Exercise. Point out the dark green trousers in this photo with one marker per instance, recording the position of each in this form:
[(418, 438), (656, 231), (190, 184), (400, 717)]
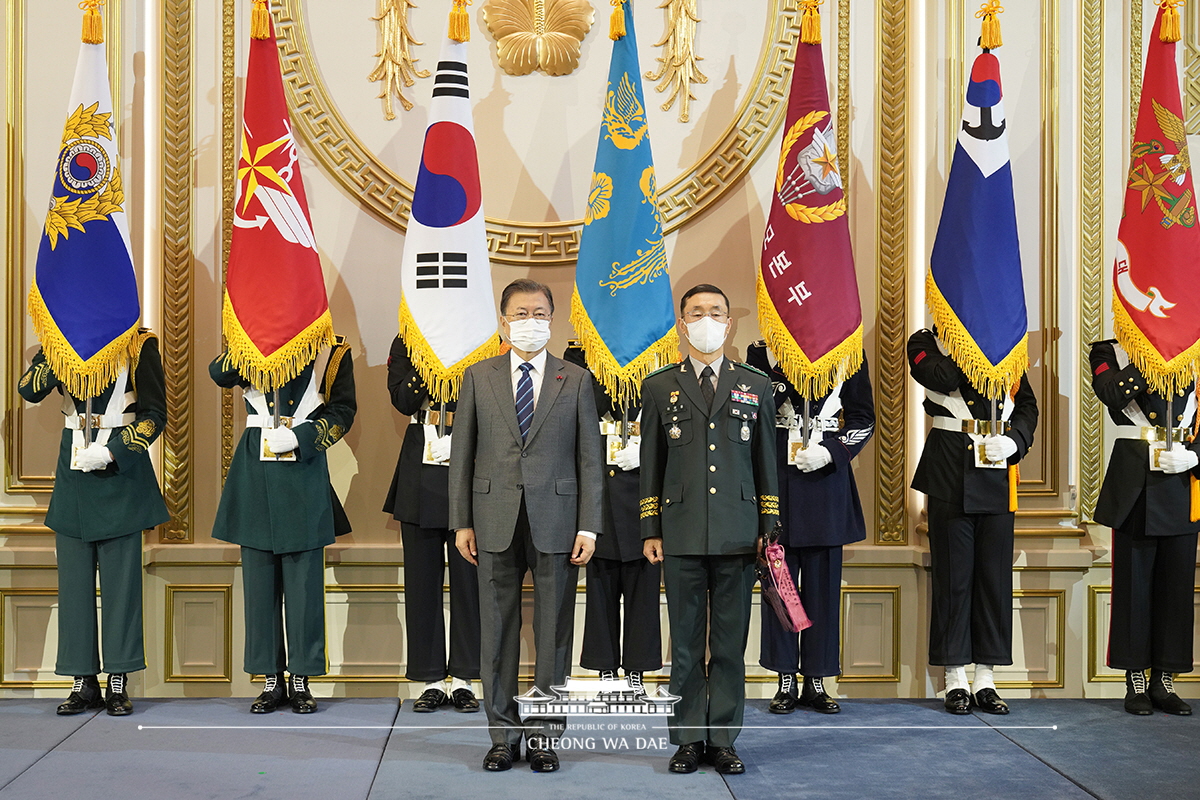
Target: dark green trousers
[(701, 589), (120, 564), (271, 582)]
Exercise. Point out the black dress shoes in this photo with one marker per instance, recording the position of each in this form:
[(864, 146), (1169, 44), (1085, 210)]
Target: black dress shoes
[(1163, 697), (815, 697), (116, 698), (85, 696), (988, 700), (784, 701), (724, 760), (541, 758), (686, 758), (958, 701), (302, 700), (1137, 701), (273, 696), (430, 700), (464, 700), (500, 758)]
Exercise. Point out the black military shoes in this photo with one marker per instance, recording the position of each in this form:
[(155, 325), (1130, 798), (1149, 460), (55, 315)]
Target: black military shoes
[(274, 695), (501, 757), (541, 756), (784, 701), (464, 700), (1137, 701), (988, 700), (85, 696), (430, 700), (1163, 697), (686, 758), (116, 697), (815, 697), (724, 760), (958, 701), (302, 699)]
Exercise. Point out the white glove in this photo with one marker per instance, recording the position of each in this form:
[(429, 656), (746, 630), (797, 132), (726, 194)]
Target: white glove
[(1178, 460), (629, 457), (439, 448), (94, 457), (813, 457), (280, 440), (998, 448)]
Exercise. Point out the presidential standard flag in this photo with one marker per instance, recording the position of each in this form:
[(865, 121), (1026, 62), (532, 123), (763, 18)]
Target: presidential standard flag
[(276, 315), (447, 310), (621, 307), (84, 296), (808, 306), (1156, 273)]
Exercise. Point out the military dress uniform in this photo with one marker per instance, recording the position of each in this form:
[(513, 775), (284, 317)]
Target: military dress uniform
[(419, 499), (284, 513), (708, 487), (98, 518), (1154, 537), (821, 513)]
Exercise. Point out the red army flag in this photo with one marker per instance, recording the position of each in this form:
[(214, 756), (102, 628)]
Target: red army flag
[(276, 314), (808, 306), (1156, 274)]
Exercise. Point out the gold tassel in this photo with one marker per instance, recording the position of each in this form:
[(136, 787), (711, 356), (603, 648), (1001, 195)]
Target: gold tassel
[(1014, 478), (1169, 32), (460, 22), (93, 23), (260, 21), (989, 31), (616, 22), (810, 24)]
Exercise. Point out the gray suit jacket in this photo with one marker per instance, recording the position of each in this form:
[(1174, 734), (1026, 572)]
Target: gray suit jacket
[(559, 468)]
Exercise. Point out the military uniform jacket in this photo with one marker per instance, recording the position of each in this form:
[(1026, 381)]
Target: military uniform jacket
[(709, 478), (1121, 387), (419, 493), (124, 496), (822, 508), (288, 506), (947, 468)]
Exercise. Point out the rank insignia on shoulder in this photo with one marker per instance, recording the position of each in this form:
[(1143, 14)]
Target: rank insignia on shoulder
[(741, 395), (674, 397)]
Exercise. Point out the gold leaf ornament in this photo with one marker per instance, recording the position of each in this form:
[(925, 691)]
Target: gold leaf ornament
[(598, 198), (538, 34)]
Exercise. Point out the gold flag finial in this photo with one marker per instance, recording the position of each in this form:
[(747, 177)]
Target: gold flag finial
[(1170, 32), (460, 22), (260, 20), (989, 32), (93, 23), (810, 23), (616, 23)]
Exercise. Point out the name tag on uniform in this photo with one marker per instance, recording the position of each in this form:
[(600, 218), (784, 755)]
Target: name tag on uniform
[(981, 460), (1156, 450), (75, 451), (795, 446), (427, 452), (266, 454)]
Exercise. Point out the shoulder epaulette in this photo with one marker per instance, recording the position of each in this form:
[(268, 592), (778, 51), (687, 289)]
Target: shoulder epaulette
[(139, 340), (340, 348), (663, 369), (755, 370), (759, 343)]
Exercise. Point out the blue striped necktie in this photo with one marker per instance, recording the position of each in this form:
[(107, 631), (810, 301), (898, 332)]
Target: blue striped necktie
[(525, 399)]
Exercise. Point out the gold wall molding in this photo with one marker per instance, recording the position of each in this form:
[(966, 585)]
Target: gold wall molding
[(1091, 250), (1191, 72), (1135, 61), (677, 67), (1058, 646), (893, 674), (843, 90), (225, 591), (229, 157), (7, 627), (396, 66)]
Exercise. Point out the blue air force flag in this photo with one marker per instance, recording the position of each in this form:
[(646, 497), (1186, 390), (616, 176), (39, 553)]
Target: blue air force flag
[(447, 316), (974, 288), (621, 307), (84, 295)]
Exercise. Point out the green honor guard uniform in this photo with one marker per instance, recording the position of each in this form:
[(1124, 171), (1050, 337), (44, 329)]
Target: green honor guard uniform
[(105, 495), (278, 504)]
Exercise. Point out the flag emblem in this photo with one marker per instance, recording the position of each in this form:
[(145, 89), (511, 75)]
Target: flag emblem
[(448, 191)]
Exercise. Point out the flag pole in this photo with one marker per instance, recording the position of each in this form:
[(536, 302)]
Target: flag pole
[(805, 434), (441, 419), (275, 413), (1170, 421), (87, 421), (624, 424)]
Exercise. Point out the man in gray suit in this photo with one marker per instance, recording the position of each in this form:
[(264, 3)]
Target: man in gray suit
[(526, 493)]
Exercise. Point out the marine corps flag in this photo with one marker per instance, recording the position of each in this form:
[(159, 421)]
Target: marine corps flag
[(447, 310), (84, 296), (1156, 274), (276, 315), (808, 306), (621, 308)]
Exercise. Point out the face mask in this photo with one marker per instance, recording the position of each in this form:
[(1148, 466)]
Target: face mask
[(707, 335), (529, 335)]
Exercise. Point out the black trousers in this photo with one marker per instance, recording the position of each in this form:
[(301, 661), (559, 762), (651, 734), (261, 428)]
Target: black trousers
[(638, 582), (815, 651), (425, 557), (971, 555), (1151, 621)]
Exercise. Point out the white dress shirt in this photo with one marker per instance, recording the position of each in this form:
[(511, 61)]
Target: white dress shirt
[(716, 368)]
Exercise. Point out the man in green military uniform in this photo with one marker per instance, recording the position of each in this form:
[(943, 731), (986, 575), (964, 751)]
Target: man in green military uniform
[(105, 495), (708, 489), (279, 506)]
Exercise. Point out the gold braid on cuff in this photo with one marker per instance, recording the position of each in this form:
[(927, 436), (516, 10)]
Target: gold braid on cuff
[(768, 504), (650, 507)]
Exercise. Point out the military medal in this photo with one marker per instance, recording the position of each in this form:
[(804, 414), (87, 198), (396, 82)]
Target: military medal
[(674, 432), (674, 398), (745, 431)]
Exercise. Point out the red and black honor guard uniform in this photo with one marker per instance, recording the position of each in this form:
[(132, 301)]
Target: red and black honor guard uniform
[(970, 521), (1145, 499), (105, 495), (618, 570), (820, 511), (419, 500)]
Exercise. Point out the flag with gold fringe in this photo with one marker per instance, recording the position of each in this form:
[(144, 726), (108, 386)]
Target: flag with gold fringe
[(276, 314), (1156, 273), (808, 306), (447, 309), (84, 296), (621, 307)]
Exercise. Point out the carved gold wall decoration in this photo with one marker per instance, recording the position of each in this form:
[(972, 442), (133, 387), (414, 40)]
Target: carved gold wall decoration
[(396, 65), (538, 34), (1191, 71), (1091, 249), (229, 158), (677, 65)]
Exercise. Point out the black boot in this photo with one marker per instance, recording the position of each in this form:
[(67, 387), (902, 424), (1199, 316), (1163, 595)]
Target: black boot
[(85, 696), (1136, 700), (815, 696), (302, 699), (784, 701), (273, 696), (116, 699), (634, 679), (1163, 697)]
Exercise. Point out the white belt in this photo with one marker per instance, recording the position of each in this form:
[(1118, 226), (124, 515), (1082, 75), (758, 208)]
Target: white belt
[(75, 422), (608, 428), (268, 421), (815, 424), (980, 427), (1152, 434)]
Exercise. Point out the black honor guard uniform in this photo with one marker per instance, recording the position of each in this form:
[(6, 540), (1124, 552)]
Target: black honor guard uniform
[(1146, 500), (970, 521), (419, 500), (820, 512)]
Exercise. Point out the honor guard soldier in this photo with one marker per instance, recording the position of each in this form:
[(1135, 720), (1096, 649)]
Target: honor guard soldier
[(1146, 500), (419, 500), (105, 495), (279, 505), (821, 512), (963, 471), (708, 487), (618, 570)]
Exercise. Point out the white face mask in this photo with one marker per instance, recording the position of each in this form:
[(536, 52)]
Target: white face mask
[(529, 335), (707, 335)]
